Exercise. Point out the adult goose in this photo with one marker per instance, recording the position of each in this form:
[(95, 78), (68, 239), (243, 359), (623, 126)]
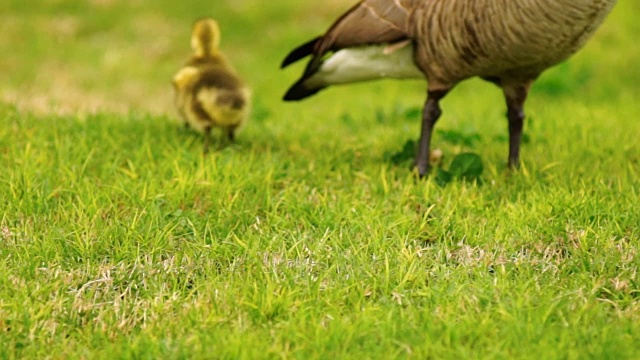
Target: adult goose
[(507, 42)]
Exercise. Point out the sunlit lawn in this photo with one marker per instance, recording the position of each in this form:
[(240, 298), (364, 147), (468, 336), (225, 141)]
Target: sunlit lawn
[(307, 238)]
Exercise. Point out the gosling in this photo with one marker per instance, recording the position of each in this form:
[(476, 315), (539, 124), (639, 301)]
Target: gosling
[(208, 92)]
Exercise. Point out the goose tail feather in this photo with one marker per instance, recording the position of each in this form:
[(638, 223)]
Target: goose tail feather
[(300, 52), (300, 90)]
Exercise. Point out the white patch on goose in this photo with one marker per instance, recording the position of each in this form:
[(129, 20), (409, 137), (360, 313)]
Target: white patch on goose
[(366, 63)]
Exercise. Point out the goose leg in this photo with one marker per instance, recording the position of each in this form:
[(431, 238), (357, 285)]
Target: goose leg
[(207, 139), (430, 115), (231, 134), (515, 97)]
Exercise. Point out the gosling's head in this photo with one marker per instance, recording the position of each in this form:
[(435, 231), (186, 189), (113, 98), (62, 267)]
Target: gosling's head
[(205, 37)]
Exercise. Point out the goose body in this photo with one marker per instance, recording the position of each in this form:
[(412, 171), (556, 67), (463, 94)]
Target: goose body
[(507, 42), (208, 93)]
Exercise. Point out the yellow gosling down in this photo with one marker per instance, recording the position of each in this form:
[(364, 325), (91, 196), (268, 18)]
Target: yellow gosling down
[(208, 92), (507, 42)]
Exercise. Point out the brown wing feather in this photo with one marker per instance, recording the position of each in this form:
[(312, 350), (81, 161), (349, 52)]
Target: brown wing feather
[(368, 22)]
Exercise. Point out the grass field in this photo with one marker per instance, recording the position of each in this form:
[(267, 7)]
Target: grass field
[(306, 239)]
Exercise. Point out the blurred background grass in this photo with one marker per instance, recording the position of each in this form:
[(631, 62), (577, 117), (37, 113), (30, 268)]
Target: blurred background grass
[(114, 55)]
